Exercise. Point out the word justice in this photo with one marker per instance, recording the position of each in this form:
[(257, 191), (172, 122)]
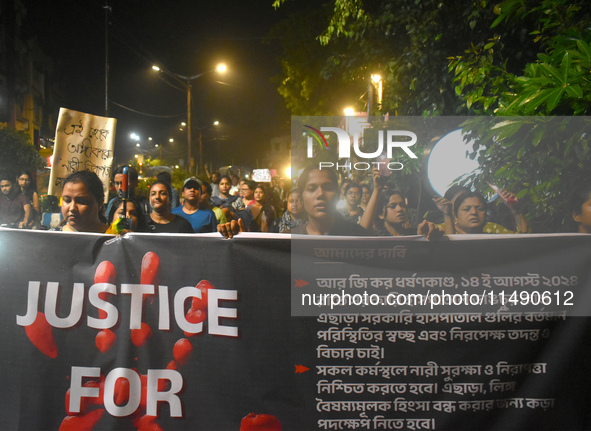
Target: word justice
[(109, 314)]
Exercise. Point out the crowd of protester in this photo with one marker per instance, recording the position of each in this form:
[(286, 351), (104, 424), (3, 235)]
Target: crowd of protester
[(319, 203)]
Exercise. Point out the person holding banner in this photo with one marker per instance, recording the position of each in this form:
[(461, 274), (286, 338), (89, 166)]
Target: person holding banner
[(203, 220), (320, 194), (161, 220), (470, 213), (392, 217), (445, 204), (82, 203)]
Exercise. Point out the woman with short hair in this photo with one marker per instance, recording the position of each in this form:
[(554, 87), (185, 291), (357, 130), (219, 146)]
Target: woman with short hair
[(161, 220)]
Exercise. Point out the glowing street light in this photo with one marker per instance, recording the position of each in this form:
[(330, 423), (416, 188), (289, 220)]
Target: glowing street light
[(377, 81), (185, 81), (349, 112)]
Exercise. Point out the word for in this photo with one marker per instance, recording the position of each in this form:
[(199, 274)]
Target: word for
[(154, 396)]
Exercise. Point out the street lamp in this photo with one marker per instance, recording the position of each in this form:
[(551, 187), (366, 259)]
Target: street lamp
[(376, 80), (215, 123), (185, 81)]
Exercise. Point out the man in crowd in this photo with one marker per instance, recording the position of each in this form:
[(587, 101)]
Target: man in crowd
[(166, 177), (202, 219), (117, 178), (215, 181), (15, 208), (206, 203)]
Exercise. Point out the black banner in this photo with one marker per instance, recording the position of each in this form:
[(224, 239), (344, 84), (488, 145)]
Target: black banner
[(189, 332)]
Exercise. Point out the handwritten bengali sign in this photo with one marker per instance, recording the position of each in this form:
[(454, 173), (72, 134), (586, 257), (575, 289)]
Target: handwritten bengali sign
[(261, 175), (82, 142)]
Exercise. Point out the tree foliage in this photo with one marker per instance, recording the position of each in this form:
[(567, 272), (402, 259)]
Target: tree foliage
[(541, 158), (17, 153), (407, 43), (515, 58)]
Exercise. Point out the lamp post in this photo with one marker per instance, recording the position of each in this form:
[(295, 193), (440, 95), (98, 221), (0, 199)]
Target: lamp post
[(376, 80), (185, 81)]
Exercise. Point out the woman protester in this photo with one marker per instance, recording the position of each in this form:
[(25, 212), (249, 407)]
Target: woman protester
[(470, 213), (225, 201), (247, 193), (365, 195), (161, 220), (133, 212), (320, 193), (295, 214), (28, 188), (82, 204), (446, 205), (262, 211), (352, 212)]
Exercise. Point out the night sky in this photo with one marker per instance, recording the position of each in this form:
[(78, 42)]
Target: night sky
[(187, 37)]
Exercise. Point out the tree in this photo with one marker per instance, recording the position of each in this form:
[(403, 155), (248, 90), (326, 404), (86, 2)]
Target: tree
[(16, 153), (514, 58), (408, 43), (542, 159)]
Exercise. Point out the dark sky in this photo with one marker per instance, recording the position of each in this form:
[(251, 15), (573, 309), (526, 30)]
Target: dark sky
[(186, 36)]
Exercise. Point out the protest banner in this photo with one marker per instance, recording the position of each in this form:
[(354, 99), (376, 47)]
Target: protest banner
[(82, 142), (261, 175), (196, 332)]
